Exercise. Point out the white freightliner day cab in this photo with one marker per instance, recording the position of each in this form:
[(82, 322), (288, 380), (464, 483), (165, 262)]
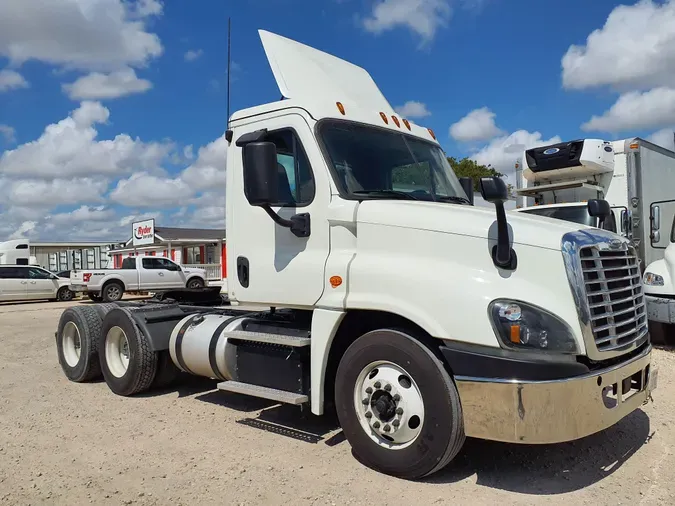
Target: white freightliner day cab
[(417, 317), (659, 281), (137, 274)]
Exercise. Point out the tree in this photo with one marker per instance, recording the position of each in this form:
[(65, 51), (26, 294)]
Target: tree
[(470, 168)]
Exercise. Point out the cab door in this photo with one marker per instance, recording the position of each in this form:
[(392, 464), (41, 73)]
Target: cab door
[(272, 266)]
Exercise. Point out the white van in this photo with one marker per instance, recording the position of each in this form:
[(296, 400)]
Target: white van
[(28, 282)]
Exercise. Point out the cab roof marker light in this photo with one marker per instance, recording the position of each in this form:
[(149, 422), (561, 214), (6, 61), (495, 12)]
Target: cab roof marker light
[(384, 118), (340, 107), (406, 123), (431, 132), (396, 121)]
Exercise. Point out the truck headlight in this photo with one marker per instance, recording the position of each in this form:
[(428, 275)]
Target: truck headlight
[(522, 326), (653, 279)]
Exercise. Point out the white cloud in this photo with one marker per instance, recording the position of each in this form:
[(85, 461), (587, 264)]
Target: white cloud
[(664, 138), (192, 54), (635, 48), (26, 229), (8, 133), (424, 17), (106, 86), (146, 190), (478, 125), (503, 152), (636, 110), (208, 171), (11, 79), (82, 215), (413, 109), (43, 194), (82, 34), (70, 148)]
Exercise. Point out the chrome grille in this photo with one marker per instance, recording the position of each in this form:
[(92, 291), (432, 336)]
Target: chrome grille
[(616, 304)]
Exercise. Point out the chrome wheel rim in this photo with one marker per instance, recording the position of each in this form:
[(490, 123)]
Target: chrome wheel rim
[(72, 344)]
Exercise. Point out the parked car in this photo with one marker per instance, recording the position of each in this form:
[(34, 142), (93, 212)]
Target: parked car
[(28, 282), (149, 274)]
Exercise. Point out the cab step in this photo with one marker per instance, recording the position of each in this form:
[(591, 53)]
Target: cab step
[(263, 392), (264, 337)]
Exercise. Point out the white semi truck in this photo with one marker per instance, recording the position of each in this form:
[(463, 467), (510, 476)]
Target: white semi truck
[(415, 316), (633, 175)]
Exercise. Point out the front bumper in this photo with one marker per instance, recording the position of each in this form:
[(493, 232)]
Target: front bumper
[(660, 309), (555, 411)]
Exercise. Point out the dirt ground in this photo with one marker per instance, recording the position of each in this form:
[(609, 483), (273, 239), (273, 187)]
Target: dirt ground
[(71, 444)]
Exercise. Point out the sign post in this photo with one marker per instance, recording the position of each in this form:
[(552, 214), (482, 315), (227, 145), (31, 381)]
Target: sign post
[(143, 233)]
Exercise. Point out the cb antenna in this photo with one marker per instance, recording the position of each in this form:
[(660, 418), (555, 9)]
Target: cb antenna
[(229, 30)]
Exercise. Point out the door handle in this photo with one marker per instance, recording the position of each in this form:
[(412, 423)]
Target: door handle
[(161, 273), (33, 282), (24, 282), (242, 271)]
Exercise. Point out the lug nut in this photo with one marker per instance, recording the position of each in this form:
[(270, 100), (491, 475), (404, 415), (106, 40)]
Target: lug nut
[(399, 411), (377, 384), (397, 397), (365, 401), (386, 428), (395, 423), (370, 415), (369, 390), (387, 387), (376, 425)]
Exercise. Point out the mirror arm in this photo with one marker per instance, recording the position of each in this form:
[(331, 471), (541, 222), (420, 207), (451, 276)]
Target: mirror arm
[(299, 223), (502, 254)]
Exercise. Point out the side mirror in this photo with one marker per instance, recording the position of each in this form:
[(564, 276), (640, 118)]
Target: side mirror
[(467, 185), (494, 190), (599, 208), (261, 178)]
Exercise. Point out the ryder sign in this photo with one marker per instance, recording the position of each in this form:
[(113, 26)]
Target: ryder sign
[(143, 232)]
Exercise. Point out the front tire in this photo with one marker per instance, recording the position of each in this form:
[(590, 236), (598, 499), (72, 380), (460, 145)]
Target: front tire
[(397, 405), (128, 364), (64, 294), (195, 283)]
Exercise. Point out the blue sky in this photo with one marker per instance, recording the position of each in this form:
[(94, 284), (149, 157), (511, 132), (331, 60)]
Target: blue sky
[(114, 110)]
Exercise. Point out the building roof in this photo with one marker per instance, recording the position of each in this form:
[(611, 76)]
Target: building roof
[(177, 234)]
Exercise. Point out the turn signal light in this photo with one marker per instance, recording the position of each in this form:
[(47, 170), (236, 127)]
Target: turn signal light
[(515, 333), (384, 118)]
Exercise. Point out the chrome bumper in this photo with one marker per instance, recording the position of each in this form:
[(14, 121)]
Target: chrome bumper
[(660, 309), (555, 411)]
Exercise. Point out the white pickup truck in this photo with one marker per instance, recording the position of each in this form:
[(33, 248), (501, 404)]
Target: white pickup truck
[(151, 273)]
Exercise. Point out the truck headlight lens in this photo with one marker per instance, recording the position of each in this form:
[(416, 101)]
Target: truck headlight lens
[(653, 279), (522, 326)]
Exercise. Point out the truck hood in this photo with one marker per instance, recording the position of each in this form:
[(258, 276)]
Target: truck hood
[(480, 222)]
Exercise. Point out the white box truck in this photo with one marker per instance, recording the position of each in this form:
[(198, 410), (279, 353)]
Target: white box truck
[(633, 175), (417, 317)]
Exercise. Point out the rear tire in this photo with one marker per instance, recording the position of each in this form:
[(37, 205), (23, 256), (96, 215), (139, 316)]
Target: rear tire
[(77, 341), (127, 362), (112, 292), (397, 405), (64, 294)]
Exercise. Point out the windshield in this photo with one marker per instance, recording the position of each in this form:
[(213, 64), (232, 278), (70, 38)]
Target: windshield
[(575, 214), (370, 162)]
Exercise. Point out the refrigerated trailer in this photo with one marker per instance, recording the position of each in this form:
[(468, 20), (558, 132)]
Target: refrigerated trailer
[(418, 318), (636, 177)]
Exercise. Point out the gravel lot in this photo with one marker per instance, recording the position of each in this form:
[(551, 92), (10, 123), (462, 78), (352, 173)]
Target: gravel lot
[(67, 443)]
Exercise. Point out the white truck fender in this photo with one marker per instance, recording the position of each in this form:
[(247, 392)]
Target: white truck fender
[(325, 324)]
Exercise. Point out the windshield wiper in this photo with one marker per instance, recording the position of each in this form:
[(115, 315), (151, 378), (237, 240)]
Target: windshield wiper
[(386, 193), (452, 198)]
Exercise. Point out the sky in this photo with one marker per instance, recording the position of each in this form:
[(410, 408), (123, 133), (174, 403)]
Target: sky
[(112, 111)]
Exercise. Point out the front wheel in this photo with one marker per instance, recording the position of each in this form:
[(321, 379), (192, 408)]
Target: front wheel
[(397, 405), (195, 283)]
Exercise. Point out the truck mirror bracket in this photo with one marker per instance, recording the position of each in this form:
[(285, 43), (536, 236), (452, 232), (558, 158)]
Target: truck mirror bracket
[(299, 224), (493, 189)]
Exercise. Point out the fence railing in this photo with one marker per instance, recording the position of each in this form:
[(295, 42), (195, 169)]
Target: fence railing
[(213, 271)]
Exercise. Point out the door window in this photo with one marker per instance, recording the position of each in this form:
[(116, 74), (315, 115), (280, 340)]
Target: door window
[(159, 263), (35, 273), (296, 181)]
